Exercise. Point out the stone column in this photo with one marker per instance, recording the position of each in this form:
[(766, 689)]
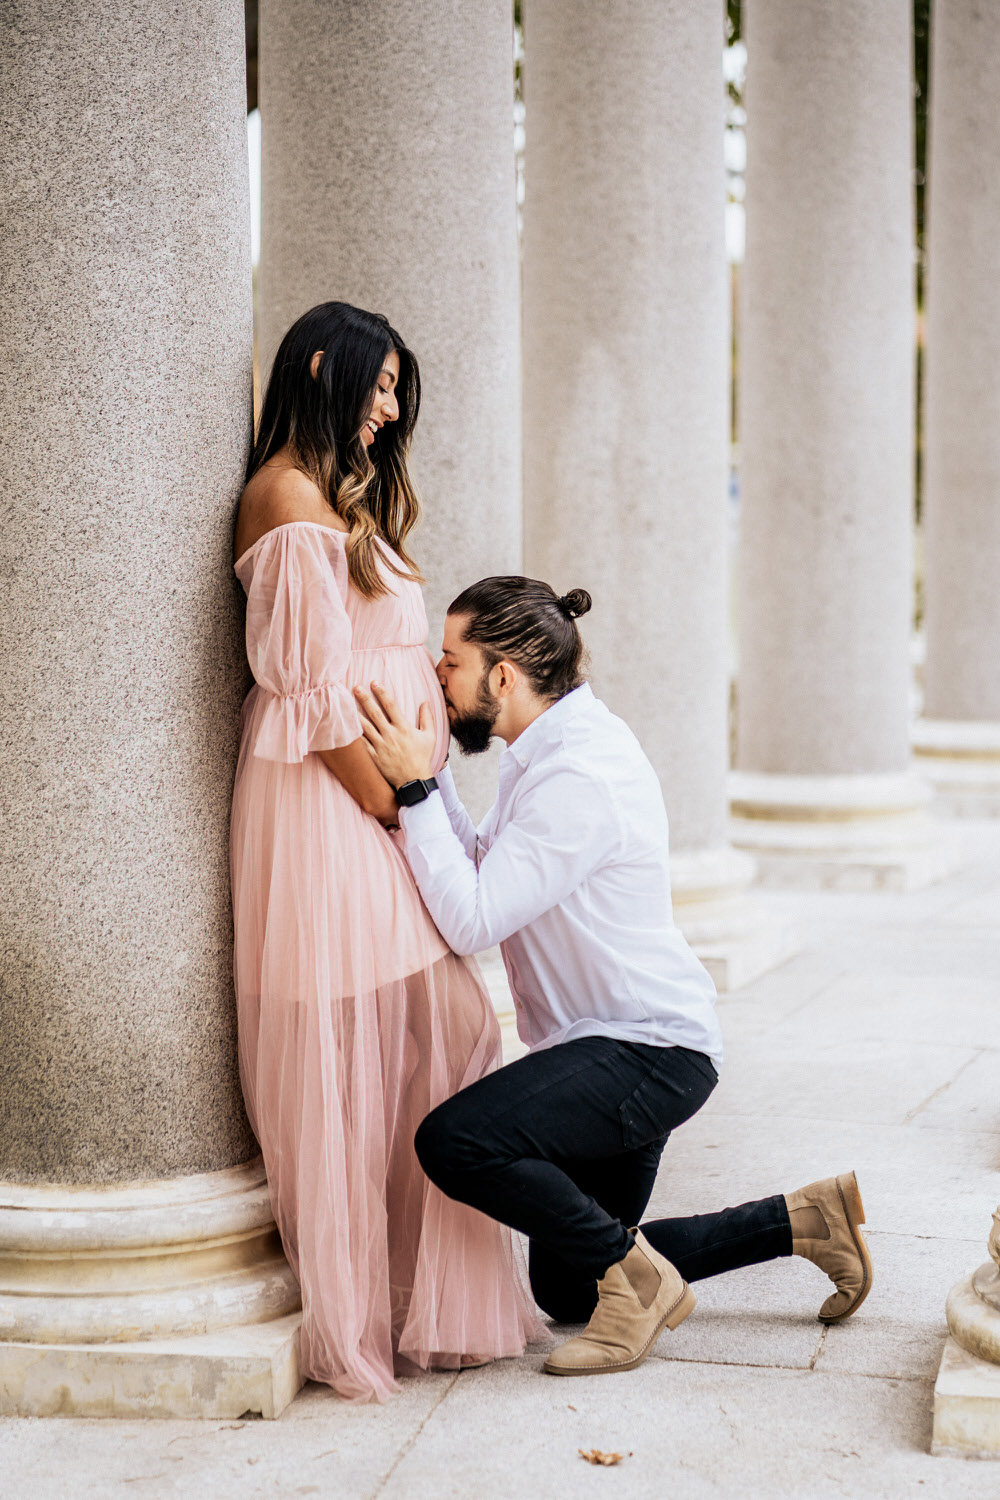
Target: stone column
[(132, 1205), (958, 742), (823, 794), (967, 1390), (625, 410), (388, 181)]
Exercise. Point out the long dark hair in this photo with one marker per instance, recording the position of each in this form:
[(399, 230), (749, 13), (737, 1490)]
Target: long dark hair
[(525, 621), (321, 420)]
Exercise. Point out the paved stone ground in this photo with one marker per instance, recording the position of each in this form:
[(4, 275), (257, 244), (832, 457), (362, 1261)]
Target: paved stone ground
[(876, 1048)]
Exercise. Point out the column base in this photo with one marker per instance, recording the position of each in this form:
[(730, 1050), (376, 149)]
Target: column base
[(726, 927), (845, 833), (161, 1299), (961, 760), (966, 1405), (967, 1391), (150, 1260), (227, 1374)]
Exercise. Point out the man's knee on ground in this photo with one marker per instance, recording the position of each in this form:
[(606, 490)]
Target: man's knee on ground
[(564, 1304), (559, 1292)]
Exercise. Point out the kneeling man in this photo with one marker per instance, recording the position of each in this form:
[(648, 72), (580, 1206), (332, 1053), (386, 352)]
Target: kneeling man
[(569, 874)]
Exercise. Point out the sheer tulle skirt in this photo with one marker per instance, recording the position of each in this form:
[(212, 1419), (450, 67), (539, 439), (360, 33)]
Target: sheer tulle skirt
[(355, 1019)]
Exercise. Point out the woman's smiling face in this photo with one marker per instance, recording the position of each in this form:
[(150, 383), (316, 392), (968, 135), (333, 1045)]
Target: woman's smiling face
[(385, 407)]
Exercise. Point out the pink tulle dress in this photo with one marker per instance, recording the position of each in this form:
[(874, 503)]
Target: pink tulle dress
[(355, 1018)]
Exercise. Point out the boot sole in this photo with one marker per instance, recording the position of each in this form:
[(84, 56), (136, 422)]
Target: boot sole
[(854, 1211), (672, 1319)]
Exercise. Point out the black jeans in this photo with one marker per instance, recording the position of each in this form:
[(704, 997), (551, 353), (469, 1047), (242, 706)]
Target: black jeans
[(564, 1144)]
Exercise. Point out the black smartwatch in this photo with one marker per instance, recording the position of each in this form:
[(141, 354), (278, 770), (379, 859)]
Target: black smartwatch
[(412, 792)]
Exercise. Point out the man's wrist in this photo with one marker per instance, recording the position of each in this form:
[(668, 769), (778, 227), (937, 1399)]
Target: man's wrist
[(409, 793)]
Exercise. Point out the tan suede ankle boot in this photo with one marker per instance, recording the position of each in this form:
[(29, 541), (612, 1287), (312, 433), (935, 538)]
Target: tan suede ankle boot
[(637, 1299), (825, 1217)]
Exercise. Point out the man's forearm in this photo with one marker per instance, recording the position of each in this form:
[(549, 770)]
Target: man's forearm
[(459, 819), (446, 875)]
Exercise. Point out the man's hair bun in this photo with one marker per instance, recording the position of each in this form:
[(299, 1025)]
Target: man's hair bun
[(576, 602), (523, 620)]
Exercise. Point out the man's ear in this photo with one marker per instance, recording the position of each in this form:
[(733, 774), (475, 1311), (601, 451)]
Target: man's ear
[(506, 679)]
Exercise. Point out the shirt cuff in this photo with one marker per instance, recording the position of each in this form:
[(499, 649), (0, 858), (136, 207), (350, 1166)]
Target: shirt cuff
[(427, 820)]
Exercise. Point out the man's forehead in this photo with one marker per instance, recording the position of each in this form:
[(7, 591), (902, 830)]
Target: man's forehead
[(453, 638)]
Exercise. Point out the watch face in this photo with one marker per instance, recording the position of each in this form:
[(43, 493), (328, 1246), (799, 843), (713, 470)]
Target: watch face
[(412, 792)]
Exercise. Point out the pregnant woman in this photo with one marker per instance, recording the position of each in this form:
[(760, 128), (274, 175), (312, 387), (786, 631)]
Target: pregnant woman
[(355, 1018)]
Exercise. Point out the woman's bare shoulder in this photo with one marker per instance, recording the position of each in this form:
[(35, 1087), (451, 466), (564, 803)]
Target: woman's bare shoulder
[(276, 496)]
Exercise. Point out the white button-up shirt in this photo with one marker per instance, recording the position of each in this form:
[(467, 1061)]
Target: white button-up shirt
[(569, 873)]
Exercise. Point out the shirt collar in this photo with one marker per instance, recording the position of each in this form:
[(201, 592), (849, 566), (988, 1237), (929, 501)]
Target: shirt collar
[(548, 724)]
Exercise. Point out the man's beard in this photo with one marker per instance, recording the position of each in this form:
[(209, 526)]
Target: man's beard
[(473, 731)]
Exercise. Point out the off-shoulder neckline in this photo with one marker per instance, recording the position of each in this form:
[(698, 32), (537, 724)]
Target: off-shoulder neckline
[(316, 526)]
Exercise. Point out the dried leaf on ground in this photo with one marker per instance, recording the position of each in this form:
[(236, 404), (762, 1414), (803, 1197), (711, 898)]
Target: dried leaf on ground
[(595, 1456)]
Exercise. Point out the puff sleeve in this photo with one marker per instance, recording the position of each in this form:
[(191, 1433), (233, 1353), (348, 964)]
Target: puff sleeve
[(298, 644)]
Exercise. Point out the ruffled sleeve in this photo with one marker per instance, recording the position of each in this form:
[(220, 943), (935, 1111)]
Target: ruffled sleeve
[(298, 644)]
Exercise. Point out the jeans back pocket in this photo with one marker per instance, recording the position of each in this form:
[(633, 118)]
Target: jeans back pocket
[(676, 1086)]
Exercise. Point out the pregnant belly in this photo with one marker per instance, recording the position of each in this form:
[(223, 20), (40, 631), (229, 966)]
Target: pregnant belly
[(407, 672)]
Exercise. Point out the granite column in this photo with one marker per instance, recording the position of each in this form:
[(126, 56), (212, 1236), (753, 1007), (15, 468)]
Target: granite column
[(626, 415), (824, 795), (388, 181), (958, 740), (136, 1242)]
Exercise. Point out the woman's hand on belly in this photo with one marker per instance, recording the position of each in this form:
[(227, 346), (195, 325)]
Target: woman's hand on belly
[(357, 773)]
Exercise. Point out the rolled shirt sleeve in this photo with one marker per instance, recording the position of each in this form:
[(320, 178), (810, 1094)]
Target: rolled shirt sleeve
[(562, 828)]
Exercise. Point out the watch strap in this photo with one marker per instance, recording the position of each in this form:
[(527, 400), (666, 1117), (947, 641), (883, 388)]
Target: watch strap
[(412, 792)]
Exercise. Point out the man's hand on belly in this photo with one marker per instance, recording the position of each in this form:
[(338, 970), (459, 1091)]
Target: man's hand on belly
[(401, 751)]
